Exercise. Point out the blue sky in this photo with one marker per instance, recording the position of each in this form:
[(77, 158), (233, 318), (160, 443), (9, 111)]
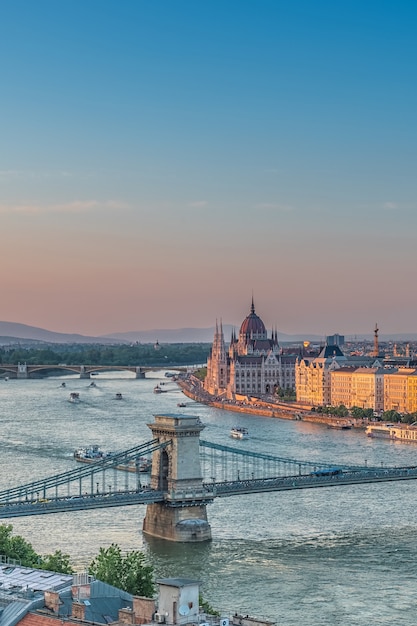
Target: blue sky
[(160, 161)]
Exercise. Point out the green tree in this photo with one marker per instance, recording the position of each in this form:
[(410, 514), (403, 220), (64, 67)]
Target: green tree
[(57, 562), (17, 548), (207, 608), (130, 572)]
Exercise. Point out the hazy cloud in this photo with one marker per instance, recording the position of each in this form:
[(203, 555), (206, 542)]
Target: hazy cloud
[(6, 175), (79, 206), (270, 206), (390, 206), (198, 204)]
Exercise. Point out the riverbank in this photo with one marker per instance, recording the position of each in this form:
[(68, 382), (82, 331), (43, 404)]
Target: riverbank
[(193, 389)]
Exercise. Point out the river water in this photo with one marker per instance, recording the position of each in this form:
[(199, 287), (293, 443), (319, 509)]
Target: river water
[(335, 556)]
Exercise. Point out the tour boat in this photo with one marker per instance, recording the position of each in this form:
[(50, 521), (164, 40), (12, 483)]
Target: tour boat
[(239, 432), (157, 389), (94, 453), (399, 432)]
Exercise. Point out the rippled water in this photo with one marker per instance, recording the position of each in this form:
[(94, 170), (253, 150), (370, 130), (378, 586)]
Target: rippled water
[(343, 555)]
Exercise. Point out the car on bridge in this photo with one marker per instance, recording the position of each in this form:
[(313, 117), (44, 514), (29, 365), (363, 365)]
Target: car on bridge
[(327, 471)]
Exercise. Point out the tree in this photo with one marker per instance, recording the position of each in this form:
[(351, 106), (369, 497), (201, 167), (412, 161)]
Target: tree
[(57, 562), (130, 573), (207, 608), (17, 548)]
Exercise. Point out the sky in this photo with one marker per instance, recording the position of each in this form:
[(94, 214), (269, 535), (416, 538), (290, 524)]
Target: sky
[(161, 161)]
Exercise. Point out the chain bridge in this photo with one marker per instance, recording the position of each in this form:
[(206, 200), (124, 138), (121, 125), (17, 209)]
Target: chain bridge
[(187, 473)]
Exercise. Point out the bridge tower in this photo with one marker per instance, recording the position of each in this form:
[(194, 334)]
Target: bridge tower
[(176, 470)]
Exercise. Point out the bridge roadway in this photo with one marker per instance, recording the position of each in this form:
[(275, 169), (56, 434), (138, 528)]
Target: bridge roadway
[(210, 491)]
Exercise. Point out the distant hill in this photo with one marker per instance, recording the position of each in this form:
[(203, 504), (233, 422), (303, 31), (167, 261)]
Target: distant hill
[(11, 332), (194, 335)]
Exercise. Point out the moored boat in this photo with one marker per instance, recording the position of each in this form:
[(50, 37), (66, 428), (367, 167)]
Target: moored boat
[(239, 432), (340, 425), (400, 432), (142, 465)]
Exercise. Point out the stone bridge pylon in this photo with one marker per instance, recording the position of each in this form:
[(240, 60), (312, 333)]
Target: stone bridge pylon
[(176, 470)]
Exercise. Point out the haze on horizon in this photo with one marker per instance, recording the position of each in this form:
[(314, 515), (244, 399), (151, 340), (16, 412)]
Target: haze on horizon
[(162, 161)]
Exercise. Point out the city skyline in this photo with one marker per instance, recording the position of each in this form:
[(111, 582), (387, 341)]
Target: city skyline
[(162, 162)]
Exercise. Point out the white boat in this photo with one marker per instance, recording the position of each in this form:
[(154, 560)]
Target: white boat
[(119, 396), (74, 396), (239, 432), (399, 432), (90, 454), (157, 389)]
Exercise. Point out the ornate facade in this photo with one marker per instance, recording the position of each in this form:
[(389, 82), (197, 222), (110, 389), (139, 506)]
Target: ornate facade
[(253, 364)]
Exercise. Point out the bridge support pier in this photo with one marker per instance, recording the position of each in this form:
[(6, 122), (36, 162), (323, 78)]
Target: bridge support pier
[(176, 470), (22, 371), (139, 373), (185, 524), (83, 373)]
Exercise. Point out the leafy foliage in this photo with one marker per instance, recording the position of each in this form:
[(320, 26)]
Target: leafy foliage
[(207, 608), (17, 548), (130, 572), (174, 354), (57, 562)]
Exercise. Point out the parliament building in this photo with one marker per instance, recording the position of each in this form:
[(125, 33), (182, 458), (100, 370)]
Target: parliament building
[(251, 365)]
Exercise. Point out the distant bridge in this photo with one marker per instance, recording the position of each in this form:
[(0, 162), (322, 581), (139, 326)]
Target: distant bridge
[(24, 370)]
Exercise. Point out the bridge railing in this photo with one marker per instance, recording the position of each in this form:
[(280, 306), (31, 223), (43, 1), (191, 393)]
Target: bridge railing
[(87, 478), (222, 463)]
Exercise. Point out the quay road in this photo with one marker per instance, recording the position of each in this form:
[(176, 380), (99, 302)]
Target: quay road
[(193, 388)]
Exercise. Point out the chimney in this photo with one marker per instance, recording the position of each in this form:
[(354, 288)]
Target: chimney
[(52, 600), (78, 610), (126, 616), (143, 608)]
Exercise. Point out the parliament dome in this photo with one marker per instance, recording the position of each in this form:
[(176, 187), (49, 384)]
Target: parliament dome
[(252, 325)]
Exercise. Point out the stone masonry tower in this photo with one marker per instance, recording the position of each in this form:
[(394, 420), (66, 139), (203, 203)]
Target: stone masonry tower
[(176, 470)]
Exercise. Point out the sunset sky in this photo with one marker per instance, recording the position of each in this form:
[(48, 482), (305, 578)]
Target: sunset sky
[(160, 161)]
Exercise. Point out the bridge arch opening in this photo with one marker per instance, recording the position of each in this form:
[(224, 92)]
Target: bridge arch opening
[(163, 471)]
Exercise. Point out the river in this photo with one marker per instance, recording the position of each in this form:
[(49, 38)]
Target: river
[(335, 556)]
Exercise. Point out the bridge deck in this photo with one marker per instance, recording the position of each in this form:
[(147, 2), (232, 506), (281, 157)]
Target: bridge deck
[(228, 471)]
